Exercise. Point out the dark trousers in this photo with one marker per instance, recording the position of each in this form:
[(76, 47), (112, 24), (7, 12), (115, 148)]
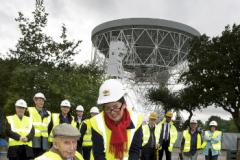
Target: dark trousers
[(210, 157), (86, 152), (148, 153), (38, 151), (18, 158), (20, 154), (165, 145)]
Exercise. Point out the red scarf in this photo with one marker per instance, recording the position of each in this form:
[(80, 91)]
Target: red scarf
[(119, 138)]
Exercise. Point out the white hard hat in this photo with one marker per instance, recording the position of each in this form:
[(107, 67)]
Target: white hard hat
[(21, 103), (65, 103), (213, 123), (193, 120), (110, 91), (80, 108), (39, 95), (94, 110)]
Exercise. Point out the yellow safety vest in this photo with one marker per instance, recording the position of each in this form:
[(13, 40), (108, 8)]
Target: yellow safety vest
[(49, 155), (56, 121), (187, 144), (173, 134), (20, 126), (40, 125), (216, 146), (146, 134), (87, 137), (98, 124)]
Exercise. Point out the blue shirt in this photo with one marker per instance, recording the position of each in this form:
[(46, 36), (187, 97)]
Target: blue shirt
[(65, 119)]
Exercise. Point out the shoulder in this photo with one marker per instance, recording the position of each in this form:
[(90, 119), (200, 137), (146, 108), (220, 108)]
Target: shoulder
[(186, 131), (79, 156), (26, 117), (31, 109), (136, 118), (55, 114), (86, 120), (49, 155), (9, 118), (97, 123), (96, 118)]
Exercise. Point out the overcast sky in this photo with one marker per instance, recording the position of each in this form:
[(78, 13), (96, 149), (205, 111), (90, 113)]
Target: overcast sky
[(81, 16)]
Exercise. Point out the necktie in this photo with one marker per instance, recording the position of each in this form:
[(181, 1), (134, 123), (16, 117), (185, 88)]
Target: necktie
[(166, 132)]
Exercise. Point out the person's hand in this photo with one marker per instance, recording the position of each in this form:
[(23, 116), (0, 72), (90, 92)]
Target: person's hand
[(209, 140), (158, 146), (23, 139)]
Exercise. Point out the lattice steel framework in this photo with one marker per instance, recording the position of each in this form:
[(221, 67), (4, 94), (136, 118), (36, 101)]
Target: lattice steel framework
[(151, 51)]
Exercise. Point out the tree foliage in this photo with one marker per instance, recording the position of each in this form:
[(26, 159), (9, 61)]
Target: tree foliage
[(40, 64), (223, 125), (36, 47), (214, 71), (79, 84), (179, 101), (179, 123), (163, 96)]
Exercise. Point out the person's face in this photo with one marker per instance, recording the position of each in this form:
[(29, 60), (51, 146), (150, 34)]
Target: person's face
[(66, 146), (20, 111), (152, 121), (114, 110), (93, 114), (65, 109), (79, 113), (168, 119), (193, 126), (212, 128), (39, 102)]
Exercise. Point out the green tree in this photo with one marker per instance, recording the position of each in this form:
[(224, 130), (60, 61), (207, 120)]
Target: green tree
[(40, 64), (223, 125), (179, 122), (79, 84), (36, 47), (164, 97), (6, 68), (178, 101), (214, 71)]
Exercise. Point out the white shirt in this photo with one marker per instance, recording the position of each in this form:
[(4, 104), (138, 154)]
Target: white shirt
[(79, 119), (164, 130)]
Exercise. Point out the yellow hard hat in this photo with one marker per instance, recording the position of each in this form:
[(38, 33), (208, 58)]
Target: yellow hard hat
[(169, 114), (153, 115)]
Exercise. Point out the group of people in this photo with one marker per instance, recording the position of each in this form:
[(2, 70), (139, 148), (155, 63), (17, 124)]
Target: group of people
[(117, 133), (161, 137)]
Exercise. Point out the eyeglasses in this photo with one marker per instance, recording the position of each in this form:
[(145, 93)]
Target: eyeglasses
[(110, 110)]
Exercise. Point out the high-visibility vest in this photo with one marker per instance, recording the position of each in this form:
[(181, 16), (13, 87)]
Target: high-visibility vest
[(146, 134), (40, 125), (87, 137), (49, 155), (187, 144), (20, 126), (173, 134), (99, 125), (215, 146), (56, 121)]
